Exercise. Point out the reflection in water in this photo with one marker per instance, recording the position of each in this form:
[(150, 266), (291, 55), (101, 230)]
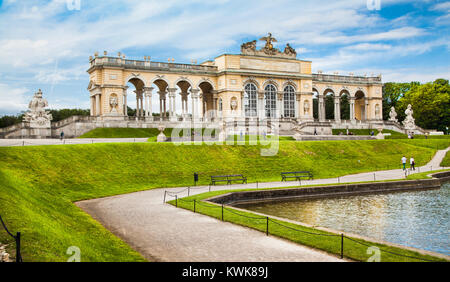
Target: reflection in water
[(418, 219)]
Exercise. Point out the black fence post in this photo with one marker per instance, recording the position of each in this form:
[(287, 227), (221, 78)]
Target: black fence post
[(189, 191), (267, 227), (222, 212), (342, 246), (176, 201), (18, 255), (165, 193), (194, 205)]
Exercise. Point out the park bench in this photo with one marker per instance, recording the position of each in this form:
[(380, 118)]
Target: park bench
[(297, 175), (228, 178)]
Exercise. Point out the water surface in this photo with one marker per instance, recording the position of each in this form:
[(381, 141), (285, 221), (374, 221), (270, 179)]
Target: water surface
[(418, 219)]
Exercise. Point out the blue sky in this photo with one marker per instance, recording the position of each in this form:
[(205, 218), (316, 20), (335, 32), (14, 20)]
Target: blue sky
[(46, 44)]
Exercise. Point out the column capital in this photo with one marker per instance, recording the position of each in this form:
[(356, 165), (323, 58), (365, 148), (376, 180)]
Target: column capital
[(148, 89), (172, 90)]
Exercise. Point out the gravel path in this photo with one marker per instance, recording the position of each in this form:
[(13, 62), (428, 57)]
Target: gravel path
[(162, 232)]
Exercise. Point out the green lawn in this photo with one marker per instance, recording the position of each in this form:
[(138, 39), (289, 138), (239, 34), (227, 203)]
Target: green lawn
[(446, 161), (423, 175), (355, 249), (38, 184)]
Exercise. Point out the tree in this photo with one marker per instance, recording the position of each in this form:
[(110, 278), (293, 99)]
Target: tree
[(392, 93), (59, 115), (430, 103)]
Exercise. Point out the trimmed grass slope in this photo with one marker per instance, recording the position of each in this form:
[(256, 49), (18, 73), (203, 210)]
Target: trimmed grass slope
[(38, 185)]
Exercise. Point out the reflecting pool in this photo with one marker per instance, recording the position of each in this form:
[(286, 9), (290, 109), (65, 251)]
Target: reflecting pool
[(417, 219)]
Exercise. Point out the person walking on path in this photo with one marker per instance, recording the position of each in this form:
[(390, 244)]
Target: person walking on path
[(62, 135), (404, 162), (412, 163)]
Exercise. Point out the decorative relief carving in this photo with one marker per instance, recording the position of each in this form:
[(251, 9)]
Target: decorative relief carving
[(249, 48)]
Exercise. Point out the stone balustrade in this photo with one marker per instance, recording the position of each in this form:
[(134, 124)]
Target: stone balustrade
[(149, 65)]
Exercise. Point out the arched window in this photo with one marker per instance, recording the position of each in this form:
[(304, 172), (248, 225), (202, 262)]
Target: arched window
[(270, 96), (289, 101), (250, 100)]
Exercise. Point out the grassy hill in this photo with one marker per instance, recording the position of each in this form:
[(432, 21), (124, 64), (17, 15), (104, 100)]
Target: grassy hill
[(38, 185)]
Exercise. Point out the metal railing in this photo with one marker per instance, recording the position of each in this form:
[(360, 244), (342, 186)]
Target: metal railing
[(268, 220), (16, 238)]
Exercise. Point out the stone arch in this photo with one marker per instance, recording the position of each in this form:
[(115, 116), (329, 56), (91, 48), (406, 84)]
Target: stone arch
[(360, 104), (133, 77), (290, 83), (139, 85), (329, 95), (344, 104), (253, 81), (271, 82), (183, 81), (208, 100), (315, 102), (205, 81)]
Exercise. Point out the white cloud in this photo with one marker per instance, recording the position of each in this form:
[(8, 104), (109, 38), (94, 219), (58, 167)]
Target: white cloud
[(13, 100)]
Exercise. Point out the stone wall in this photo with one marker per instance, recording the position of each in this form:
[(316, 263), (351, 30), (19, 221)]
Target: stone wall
[(327, 191)]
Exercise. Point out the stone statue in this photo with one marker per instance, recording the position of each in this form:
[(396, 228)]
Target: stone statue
[(248, 47), (409, 122), (37, 116), (393, 115), (289, 50), (233, 105), (113, 103), (306, 108), (269, 39)]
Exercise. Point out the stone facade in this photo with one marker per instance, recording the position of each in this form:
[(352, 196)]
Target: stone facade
[(243, 90), (263, 84)]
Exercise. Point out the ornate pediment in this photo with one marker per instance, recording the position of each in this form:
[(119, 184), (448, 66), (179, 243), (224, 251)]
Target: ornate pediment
[(249, 48)]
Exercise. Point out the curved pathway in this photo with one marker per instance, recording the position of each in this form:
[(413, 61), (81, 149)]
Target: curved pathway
[(162, 232)]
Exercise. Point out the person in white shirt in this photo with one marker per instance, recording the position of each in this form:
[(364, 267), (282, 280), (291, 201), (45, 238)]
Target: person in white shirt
[(412, 163), (404, 162)]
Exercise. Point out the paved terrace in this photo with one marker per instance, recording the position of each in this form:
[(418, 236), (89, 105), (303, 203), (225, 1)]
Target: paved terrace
[(162, 232)]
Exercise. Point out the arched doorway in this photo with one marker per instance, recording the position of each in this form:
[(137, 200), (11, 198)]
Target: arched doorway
[(344, 105), (208, 100), (135, 107), (360, 106), (329, 104), (162, 88), (315, 104), (184, 91)]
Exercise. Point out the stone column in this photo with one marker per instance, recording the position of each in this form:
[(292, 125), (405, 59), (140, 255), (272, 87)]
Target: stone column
[(92, 106), (194, 94), (366, 109), (97, 105), (172, 112), (162, 104), (148, 103), (137, 103), (298, 108), (337, 109), (280, 105), (125, 103), (322, 115), (352, 108), (261, 110)]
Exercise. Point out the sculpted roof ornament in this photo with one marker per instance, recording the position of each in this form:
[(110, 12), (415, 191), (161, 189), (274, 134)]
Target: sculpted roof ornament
[(249, 48)]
